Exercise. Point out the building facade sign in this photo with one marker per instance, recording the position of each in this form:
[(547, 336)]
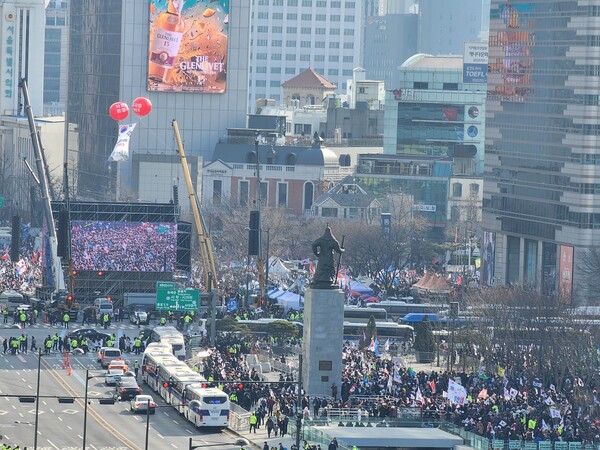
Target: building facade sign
[(475, 62)]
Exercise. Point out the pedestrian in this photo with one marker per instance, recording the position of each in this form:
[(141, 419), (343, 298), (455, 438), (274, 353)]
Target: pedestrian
[(33, 344), (269, 426), (5, 344), (253, 422), (266, 446), (66, 319), (136, 368), (333, 445)]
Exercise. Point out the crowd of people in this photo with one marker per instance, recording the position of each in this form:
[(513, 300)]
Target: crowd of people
[(24, 273)]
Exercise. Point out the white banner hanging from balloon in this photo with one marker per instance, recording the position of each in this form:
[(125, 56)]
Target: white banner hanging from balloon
[(121, 150)]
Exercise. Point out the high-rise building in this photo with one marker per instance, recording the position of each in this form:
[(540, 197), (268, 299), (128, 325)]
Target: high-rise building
[(110, 51), (444, 26), (56, 52), (541, 187), (21, 53), (382, 33), (289, 36)]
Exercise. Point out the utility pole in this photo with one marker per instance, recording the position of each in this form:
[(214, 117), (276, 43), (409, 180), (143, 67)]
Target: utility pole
[(299, 402), (259, 257)]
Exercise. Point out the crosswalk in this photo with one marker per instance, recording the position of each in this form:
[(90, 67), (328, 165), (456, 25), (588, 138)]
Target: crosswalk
[(72, 326)]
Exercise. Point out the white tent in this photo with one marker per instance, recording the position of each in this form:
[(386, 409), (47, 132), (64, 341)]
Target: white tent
[(276, 266), (290, 300)]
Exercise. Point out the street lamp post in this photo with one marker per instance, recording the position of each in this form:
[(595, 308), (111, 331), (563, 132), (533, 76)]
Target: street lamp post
[(37, 399), (85, 406)]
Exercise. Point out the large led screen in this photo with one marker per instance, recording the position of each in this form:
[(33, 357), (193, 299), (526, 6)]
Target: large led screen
[(123, 246), (188, 46)]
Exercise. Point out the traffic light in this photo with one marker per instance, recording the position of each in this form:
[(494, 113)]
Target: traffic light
[(100, 273), (66, 400)]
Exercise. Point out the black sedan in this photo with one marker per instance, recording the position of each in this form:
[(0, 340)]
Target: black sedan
[(127, 388), (89, 333)]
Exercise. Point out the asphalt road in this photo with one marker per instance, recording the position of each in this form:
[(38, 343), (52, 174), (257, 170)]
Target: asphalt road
[(60, 425)]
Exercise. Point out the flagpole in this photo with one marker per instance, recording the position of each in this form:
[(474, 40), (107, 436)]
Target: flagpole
[(337, 271)]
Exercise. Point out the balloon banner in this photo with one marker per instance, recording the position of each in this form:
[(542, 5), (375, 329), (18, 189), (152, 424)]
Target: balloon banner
[(121, 150), (118, 111)]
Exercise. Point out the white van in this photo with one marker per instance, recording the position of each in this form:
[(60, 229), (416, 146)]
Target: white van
[(103, 306)]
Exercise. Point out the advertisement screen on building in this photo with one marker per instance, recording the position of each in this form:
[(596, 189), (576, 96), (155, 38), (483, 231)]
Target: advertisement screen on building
[(565, 282), (515, 64), (123, 246), (475, 62), (188, 46), (488, 258)]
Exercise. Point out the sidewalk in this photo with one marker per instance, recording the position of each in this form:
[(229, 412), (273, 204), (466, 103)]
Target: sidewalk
[(259, 438)]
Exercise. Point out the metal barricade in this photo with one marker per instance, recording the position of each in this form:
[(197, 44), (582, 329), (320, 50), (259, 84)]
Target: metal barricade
[(239, 418)]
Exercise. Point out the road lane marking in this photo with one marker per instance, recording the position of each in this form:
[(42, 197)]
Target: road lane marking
[(60, 418), (50, 442)]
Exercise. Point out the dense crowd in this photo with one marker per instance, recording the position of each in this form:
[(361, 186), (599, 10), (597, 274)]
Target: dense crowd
[(25, 273)]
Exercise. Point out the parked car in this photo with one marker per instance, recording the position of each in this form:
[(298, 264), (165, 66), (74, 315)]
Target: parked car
[(107, 354), (127, 388), (139, 317), (141, 403), (113, 376), (130, 309), (89, 333), (118, 364)]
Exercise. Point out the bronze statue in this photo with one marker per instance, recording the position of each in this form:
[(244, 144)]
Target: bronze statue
[(324, 248)]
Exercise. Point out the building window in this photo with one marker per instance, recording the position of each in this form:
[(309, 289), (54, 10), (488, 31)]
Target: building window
[(244, 193), (261, 83), (308, 195), (421, 85), (263, 15), (474, 188), (277, 16), (275, 69), (348, 59), (329, 212), (282, 195), (290, 71), (320, 17), (290, 43), (276, 57), (334, 18), (349, 32), (305, 30), (307, 3), (292, 2), (276, 43), (290, 57), (306, 16), (349, 45), (262, 29), (334, 58), (457, 190), (261, 69), (333, 72), (276, 30), (261, 56), (361, 90), (450, 87), (305, 44), (217, 191), (455, 214), (275, 83), (320, 44), (304, 57), (334, 45), (292, 16), (292, 30), (264, 192), (348, 18)]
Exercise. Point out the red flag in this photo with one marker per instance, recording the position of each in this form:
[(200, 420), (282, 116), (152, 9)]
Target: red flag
[(5, 257), (311, 268), (432, 386)]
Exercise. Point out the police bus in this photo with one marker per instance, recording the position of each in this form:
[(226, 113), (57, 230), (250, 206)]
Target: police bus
[(356, 314), (206, 407), (385, 330), (179, 382), (151, 361), (164, 375), (171, 336)]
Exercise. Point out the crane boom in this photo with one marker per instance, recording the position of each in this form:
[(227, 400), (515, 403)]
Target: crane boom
[(44, 183), (206, 248)]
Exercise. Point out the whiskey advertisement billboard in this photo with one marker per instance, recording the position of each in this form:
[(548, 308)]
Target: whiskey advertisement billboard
[(188, 46)]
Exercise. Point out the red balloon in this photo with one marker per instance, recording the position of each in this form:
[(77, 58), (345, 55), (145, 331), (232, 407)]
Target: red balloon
[(142, 106), (118, 111)]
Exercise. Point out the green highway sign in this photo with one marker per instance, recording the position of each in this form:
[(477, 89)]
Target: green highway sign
[(165, 285), (177, 299)]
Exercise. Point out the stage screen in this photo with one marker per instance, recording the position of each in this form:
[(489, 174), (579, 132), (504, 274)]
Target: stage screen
[(123, 246)]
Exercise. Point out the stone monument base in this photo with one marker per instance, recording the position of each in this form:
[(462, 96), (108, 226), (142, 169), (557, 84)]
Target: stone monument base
[(323, 341)]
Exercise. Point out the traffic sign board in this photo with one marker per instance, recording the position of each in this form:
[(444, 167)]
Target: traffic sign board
[(177, 299), (165, 285)]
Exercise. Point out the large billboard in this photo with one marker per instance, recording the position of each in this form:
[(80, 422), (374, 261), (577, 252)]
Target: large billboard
[(188, 46), (565, 282), (123, 246), (488, 259), (515, 65), (475, 62)]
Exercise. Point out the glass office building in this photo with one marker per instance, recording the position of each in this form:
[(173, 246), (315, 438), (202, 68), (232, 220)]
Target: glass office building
[(541, 207)]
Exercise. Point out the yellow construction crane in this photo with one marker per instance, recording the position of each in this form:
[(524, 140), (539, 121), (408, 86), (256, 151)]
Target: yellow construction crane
[(206, 248)]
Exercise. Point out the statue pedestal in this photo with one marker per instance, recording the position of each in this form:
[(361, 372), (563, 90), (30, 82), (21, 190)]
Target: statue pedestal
[(323, 341)]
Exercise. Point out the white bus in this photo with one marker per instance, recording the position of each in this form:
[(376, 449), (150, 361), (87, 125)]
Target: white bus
[(170, 335), (179, 383), (165, 373), (151, 362), (206, 407)]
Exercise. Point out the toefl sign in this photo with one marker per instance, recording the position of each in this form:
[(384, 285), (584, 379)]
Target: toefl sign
[(475, 62)]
